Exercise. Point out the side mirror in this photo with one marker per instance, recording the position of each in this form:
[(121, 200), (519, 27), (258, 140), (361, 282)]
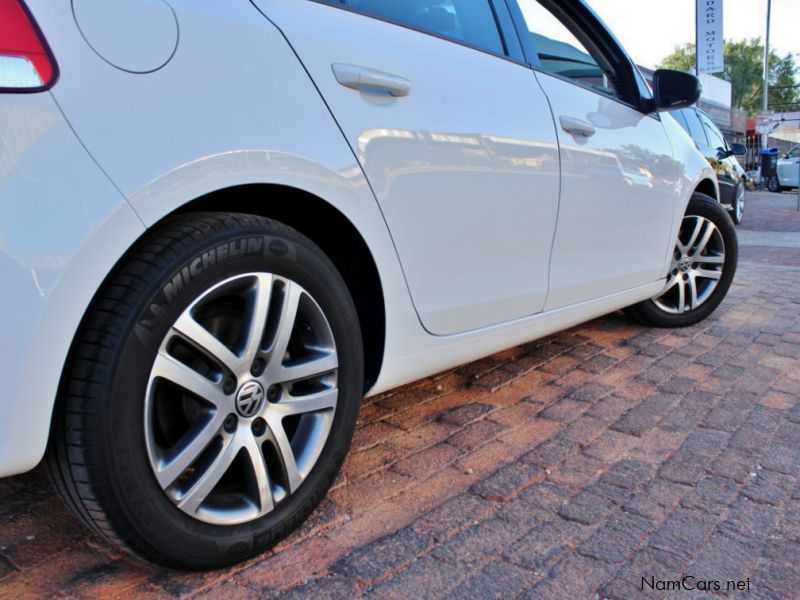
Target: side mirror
[(738, 149), (673, 90)]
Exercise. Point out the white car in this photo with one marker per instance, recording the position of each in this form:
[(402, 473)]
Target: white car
[(223, 223), (788, 170)]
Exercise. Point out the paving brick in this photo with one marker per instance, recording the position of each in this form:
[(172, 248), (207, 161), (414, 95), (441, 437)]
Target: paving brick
[(475, 435), (646, 415), (574, 577), (507, 481), (586, 508), (428, 461), (373, 561), (617, 539), (461, 415), (628, 474), (498, 579), (683, 532), (452, 517), (551, 452), (478, 544), (711, 495), (544, 545), (427, 578)]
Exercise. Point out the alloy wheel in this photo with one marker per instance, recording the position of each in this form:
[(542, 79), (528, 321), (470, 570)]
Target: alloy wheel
[(241, 398), (696, 267)]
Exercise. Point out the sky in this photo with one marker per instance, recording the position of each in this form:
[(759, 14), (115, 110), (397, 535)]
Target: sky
[(650, 29)]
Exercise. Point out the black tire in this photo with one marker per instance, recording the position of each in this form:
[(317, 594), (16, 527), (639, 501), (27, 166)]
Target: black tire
[(650, 313), (98, 458), (773, 184)]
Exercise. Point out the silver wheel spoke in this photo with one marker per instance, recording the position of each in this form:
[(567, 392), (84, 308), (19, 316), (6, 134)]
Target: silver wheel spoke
[(171, 369), (204, 340), (197, 494), (681, 295), (294, 405), (695, 233), (266, 502), (259, 309), (692, 291), (710, 260), (284, 448), (169, 472), (701, 245), (314, 366), (288, 316), (707, 274)]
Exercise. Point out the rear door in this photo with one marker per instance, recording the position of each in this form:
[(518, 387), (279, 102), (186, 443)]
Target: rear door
[(619, 177), (456, 139)]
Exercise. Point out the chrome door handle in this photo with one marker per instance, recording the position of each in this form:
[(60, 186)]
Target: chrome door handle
[(577, 127), (366, 79)]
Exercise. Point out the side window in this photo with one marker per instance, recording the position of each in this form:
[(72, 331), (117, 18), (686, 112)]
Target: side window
[(794, 152), (471, 22), (715, 138), (681, 119), (562, 53), (695, 128)]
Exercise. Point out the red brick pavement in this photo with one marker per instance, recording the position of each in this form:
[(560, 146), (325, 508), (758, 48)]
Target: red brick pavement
[(571, 467)]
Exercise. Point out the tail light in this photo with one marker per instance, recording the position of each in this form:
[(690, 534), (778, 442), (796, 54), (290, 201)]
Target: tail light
[(26, 63)]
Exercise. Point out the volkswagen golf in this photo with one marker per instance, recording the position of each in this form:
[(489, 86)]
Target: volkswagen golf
[(222, 224)]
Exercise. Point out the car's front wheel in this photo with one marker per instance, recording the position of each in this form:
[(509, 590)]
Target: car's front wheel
[(738, 207), (774, 184), (701, 271), (212, 392)]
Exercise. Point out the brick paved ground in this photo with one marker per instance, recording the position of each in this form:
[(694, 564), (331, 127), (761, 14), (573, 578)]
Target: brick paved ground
[(567, 468)]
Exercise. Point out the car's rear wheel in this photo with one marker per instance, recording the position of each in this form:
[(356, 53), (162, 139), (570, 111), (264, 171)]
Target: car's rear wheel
[(773, 184), (212, 393), (703, 266)]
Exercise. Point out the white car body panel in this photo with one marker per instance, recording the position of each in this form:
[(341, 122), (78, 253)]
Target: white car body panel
[(63, 225), (618, 184), (789, 168), (486, 180), (78, 189)]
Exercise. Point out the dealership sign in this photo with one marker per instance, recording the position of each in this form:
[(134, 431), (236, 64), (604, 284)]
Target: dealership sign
[(710, 58)]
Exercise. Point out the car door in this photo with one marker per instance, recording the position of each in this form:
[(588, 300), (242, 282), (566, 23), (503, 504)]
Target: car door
[(789, 168), (619, 178), (718, 155), (456, 140)]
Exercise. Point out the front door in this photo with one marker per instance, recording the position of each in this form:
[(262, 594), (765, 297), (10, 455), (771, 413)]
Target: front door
[(456, 140), (619, 178)]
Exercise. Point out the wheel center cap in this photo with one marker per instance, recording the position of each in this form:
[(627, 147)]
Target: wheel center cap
[(250, 399), (685, 264)]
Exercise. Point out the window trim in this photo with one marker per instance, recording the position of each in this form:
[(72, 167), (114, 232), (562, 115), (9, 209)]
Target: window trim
[(512, 50), (704, 143), (600, 37), (708, 123)]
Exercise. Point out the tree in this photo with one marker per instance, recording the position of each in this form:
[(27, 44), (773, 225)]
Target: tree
[(744, 68)]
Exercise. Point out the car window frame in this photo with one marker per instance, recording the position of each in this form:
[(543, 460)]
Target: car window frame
[(512, 50), (704, 143), (708, 124), (583, 23)]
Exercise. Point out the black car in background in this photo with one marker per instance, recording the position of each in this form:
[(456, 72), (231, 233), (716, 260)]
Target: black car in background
[(720, 155)]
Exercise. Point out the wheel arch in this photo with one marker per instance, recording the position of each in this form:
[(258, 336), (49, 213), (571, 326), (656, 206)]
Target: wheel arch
[(333, 232), (708, 187)]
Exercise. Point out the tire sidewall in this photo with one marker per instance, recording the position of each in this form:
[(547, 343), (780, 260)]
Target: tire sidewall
[(160, 525)]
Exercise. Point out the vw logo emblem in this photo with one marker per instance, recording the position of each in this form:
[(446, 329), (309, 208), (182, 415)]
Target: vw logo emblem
[(250, 399)]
